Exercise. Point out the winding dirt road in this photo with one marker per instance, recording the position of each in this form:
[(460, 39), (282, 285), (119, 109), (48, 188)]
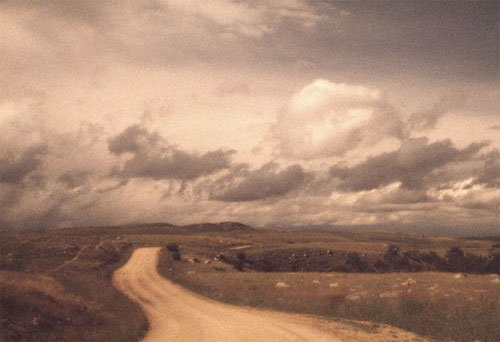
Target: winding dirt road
[(176, 314)]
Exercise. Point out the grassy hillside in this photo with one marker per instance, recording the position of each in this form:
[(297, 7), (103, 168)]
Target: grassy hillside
[(57, 286)]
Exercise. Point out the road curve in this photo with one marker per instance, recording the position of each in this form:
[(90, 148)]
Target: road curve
[(176, 314)]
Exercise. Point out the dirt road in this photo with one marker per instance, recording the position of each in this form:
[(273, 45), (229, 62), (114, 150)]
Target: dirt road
[(176, 314)]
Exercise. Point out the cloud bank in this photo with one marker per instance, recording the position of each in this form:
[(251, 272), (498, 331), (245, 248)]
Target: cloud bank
[(274, 114)]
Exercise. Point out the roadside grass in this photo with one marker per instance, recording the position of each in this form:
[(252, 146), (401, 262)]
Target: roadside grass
[(36, 308), (46, 294), (123, 320), (440, 306)]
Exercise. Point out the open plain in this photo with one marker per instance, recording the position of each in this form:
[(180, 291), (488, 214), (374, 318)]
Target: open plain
[(216, 280)]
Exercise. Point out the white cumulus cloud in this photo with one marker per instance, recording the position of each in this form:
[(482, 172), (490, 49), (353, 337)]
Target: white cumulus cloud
[(327, 119)]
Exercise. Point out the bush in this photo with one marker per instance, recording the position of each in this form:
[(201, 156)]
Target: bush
[(475, 263), (238, 264), (106, 253), (392, 254), (176, 256), (394, 260), (356, 262), (455, 260), (380, 265), (172, 247), (241, 256), (494, 263)]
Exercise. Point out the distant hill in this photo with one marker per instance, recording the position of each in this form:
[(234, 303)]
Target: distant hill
[(158, 228), (221, 226)]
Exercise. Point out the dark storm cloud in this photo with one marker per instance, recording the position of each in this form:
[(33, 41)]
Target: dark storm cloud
[(72, 59), (133, 139), (405, 196), (174, 164), (410, 165), (428, 119), (489, 173), (492, 205), (152, 157), (111, 188), (87, 11), (16, 168), (22, 178), (74, 178), (263, 183), (445, 39)]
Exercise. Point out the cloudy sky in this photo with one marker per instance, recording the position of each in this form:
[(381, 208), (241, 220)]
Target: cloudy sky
[(271, 113)]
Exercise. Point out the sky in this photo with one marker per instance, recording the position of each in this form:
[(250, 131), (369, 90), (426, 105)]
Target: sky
[(287, 113)]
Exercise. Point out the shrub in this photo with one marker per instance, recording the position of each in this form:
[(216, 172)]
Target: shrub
[(172, 247), (176, 256), (380, 265), (392, 254), (106, 253), (238, 264), (394, 260), (475, 263), (494, 263), (241, 256), (455, 258), (174, 250), (356, 262)]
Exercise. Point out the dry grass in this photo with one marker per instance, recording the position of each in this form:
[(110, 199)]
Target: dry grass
[(59, 293), (71, 287), (442, 306), (36, 307)]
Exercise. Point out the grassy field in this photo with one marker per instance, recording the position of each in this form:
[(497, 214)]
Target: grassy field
[(441, 306), (57, 285), (436, 305)]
